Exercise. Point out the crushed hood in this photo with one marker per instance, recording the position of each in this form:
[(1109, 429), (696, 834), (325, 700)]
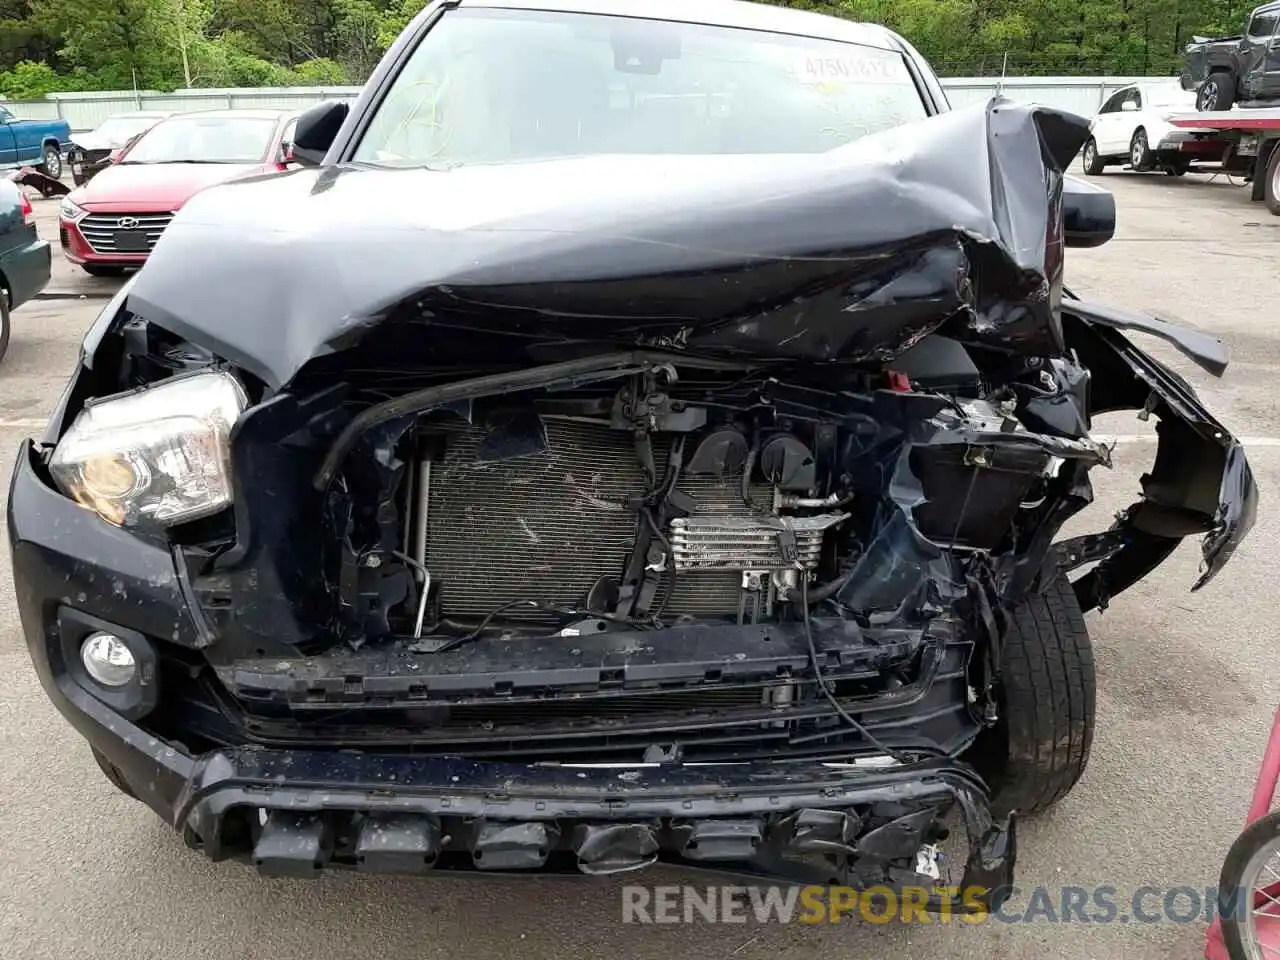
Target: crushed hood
[(92, 140), (856, 253)]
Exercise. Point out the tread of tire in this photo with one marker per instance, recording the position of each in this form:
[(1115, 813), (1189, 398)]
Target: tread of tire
[(1049, 701), (1268, 189)]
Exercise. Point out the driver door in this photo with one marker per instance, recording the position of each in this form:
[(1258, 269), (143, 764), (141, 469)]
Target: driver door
[(1269, 84), (1256, 51), (1111, 129)]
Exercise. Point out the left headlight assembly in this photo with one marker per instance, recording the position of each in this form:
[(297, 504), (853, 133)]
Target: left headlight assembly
[(70, 210), (159, 456)]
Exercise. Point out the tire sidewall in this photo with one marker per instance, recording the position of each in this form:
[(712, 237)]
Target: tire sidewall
[(5, 322), (1208, 94), (1092, 162), (1221, 85), (1271, 185), (1142, 161), (1040, 744), (52, 161)]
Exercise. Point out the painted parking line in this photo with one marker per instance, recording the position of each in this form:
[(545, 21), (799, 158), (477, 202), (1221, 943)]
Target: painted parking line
[(1152, 438)]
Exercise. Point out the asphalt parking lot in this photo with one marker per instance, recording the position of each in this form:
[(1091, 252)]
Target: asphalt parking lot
[(1187, 689)]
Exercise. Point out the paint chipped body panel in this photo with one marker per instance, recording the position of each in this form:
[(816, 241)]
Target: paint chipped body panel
[(589, 511)]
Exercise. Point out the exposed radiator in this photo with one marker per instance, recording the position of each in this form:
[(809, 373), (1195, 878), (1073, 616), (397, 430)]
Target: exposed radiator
[(547, 526)]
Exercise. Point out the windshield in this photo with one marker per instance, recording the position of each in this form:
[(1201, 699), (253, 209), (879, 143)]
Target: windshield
[(204, 140), (493, 86), (118, 130)]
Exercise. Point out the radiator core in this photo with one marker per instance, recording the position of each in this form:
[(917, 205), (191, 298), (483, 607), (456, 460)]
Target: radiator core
[(547, 526)]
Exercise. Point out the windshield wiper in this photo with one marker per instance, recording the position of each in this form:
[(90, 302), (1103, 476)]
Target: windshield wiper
[(436, 167)]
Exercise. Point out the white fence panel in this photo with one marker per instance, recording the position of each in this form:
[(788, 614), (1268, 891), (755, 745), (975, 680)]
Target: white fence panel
[(33, 109), (1082, 95)]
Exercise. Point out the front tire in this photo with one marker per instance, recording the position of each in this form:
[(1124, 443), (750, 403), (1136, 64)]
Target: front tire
[(1039, 748), (1271, 185), (51, 165), (1093, 164), (4, 322), (1140, 156), (1217, 92)]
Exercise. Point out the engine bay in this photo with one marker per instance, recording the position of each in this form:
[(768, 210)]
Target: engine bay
[(661, 495)]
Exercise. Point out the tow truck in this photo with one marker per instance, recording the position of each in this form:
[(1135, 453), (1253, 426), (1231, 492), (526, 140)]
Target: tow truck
[(1246, 139)]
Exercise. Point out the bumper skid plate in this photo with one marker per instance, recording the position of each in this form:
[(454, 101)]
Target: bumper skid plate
[(809, 823)]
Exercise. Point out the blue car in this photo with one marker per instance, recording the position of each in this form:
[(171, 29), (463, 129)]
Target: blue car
[(33, 143)]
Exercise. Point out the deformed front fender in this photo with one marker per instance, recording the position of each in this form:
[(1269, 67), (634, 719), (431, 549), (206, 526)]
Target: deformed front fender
[(1201, 482), (1208, 351)]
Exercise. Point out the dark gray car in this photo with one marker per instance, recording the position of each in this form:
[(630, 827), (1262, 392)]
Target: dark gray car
[(24, 257)]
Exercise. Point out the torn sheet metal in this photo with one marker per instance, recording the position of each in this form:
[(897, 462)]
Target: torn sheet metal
[(856, 253), (1201, 483)]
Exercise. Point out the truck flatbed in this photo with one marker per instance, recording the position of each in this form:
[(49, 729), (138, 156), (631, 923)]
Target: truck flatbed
[(1244, 119), (1248, 137)]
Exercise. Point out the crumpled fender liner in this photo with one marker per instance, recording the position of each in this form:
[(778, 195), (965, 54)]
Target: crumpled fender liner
[(1200, 482)]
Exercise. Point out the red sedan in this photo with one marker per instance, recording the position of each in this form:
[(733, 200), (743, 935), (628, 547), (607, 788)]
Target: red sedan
[(112, 223)]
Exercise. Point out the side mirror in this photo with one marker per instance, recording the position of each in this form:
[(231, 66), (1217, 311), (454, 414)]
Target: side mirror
[(317, 128), (1128, 106), (1088, 214)]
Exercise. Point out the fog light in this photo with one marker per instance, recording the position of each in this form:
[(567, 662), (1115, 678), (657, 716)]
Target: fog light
[(108, 659)]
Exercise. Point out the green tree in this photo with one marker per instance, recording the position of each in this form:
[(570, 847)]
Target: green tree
[(359, 33), (117, 41), (167, 43), (320, 72), (30, 81)]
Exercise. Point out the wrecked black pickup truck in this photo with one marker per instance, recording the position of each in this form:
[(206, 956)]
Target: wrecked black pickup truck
[(658, 458), (1238, 69)]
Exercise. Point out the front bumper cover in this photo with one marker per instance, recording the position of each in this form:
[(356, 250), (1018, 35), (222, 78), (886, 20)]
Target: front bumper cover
[(295, 812)]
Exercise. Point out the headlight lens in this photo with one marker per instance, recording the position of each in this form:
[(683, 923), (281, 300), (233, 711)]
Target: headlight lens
[(161, 455), (69, 210)]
